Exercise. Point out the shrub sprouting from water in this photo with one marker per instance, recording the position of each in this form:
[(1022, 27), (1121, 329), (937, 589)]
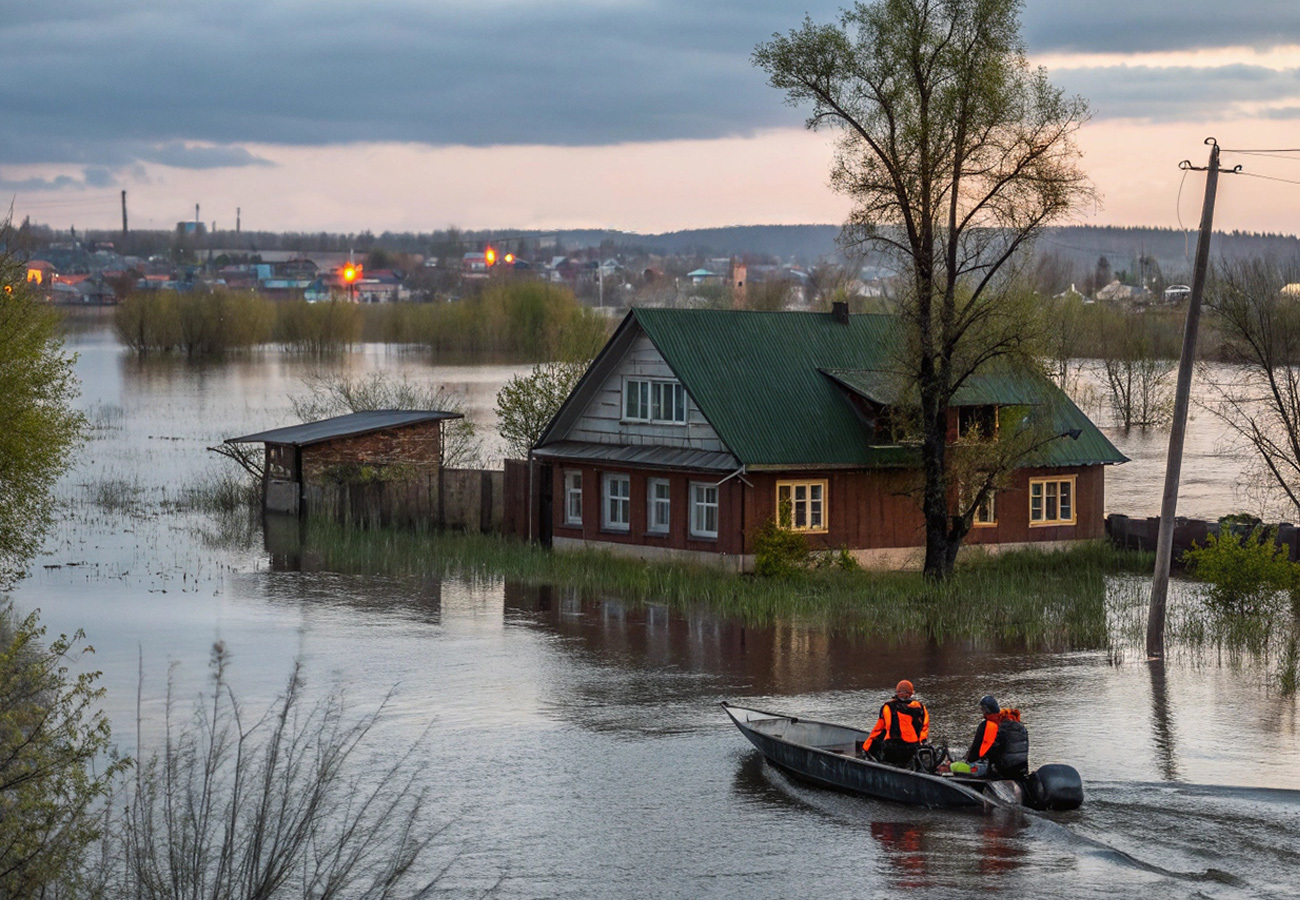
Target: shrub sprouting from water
[(1247, 574), (779, 552)]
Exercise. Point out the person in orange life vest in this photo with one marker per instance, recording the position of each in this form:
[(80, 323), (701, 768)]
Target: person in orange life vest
[(903, 724), (1001, 741)]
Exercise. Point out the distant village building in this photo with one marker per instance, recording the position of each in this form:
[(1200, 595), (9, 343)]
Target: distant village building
[(1115, 291), (693, 428)]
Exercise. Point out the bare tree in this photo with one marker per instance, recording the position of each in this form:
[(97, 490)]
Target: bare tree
[(956, 154), (1256, 308), (334, 394), (1137, 375)]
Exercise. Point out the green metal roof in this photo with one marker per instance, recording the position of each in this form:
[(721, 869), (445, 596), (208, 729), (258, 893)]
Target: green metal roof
[(767, 382), (1001, 387)]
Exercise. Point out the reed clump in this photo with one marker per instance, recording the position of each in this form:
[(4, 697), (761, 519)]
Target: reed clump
[(524, 320), (1041, 599), (208, 324), (221, 493), (330, 326), (194, 323)]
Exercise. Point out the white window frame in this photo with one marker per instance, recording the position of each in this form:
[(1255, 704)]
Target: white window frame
[(658, 499), (1049, 497), (572, 497), (807, 499), (644, 401), (616, 509), (986, 514), (701, 504)]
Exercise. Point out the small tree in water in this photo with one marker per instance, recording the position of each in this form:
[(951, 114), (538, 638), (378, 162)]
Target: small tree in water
[(527, 403), (1248, 574)]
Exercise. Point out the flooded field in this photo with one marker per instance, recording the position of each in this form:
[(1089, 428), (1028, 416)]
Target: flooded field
[(575, 744)]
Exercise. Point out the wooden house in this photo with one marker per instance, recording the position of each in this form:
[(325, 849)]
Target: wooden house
[(693, 428)]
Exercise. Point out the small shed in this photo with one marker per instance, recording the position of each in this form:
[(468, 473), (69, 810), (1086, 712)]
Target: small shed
[(379, 466)]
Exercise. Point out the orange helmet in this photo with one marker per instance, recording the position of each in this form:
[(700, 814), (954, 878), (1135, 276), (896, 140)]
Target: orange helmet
[(904, 688)]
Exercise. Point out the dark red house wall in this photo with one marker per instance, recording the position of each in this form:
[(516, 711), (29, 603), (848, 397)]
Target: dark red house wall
[(866, 509), (730, 519)]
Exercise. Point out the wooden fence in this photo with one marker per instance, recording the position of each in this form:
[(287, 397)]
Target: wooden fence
[(461, 499), (1140, 534)]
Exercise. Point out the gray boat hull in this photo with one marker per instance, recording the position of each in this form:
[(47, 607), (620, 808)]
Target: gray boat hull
[(823, 754)]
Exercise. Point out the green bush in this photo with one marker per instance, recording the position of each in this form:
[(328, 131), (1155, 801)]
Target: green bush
[(779, 553), (1247, 574)]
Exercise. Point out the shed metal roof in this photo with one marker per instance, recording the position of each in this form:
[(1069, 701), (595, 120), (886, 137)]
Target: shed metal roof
[(349, 425)]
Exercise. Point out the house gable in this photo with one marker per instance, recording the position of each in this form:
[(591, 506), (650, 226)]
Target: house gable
[(595, 412)]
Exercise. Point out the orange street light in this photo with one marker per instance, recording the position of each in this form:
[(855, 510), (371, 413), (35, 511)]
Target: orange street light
[(510, 259), (490, 256)]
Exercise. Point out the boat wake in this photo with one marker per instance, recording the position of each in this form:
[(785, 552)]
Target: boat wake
[(1186, 840)]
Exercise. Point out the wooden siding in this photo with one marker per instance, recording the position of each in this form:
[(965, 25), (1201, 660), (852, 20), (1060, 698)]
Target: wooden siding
[(731, 523), (865, 510), (877, 509), (601, 422)]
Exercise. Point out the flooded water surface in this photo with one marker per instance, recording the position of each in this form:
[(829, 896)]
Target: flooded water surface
[(575, 744)]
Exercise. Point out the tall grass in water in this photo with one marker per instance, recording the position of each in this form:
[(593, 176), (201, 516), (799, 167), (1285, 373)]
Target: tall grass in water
[(525, 320), (209, 324), (1040, 599), (194, 323), (328, 327)]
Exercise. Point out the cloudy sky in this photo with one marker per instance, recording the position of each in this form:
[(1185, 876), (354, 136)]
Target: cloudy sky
[(643, 115)]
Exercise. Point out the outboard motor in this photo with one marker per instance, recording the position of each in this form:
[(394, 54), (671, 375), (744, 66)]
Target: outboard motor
[(1056, 787)]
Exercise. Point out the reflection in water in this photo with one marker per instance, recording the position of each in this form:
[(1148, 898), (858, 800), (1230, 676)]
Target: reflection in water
[(777, 659), (920, 849), (1163, 735), (904, 844)]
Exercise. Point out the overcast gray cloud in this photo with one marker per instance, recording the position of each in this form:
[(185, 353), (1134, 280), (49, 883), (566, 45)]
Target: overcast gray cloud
[(1178, 93), (1130, 26), (103, 84)]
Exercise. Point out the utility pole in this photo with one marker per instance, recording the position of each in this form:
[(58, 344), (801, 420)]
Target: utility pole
[(1182, 396), (237, 213), (123, 215)]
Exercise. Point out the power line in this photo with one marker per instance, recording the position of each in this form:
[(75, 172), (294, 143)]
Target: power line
[(1259, 151), (1178, 211), (1269, 177)]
